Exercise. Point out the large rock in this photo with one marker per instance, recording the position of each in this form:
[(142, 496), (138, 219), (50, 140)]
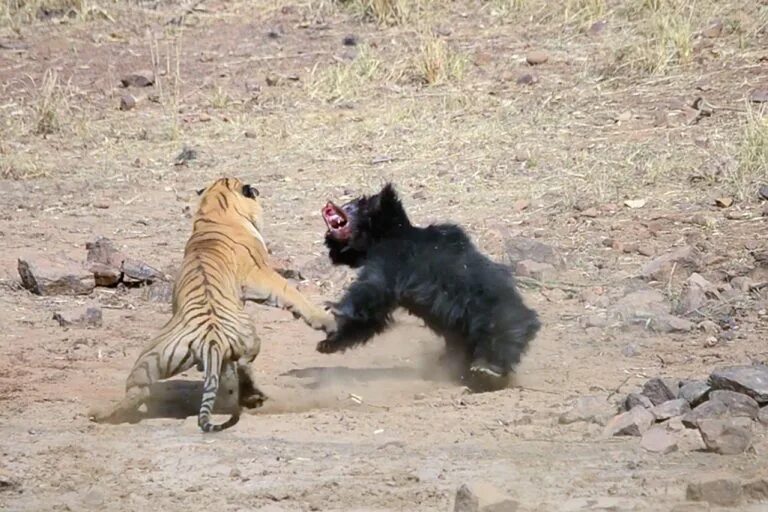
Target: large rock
[(750, 380), (45, 275), (660, 268), (521, 248), (722, 405), (483, 497), (105, 261), (631, 423), (670, 409), (723, 492), (592, 409), (659, 440), (694, 392), (728, 436), (636, 399), (660, 390)]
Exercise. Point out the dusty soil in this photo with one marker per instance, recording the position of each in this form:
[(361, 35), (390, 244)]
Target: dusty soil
[(376, 428)]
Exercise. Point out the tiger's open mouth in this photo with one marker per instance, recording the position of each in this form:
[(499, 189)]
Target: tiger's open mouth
[(336, 220)]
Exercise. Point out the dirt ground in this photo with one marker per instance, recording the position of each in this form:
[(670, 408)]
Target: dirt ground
[(436, 99)]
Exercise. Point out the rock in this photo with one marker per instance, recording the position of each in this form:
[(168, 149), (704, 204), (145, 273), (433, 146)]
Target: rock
[(756, 490), (750, 380), (128, 102), (762, 192), (715, 29), (670, 409), (597, 28), (741, 283), (671, 323), (527, 79), (483, 497), (135, 271), (91, 317), (722, 405), (723, 492), (534, 270), (159, 291), (660, 267), (593, 409), (349, 40), (759, 96), (630, 350), (138, 79), (737, 404), (536, 57), (45, 275), (186, 155), (520, 248), (694, 392), (639, 306), (660, 390), (634, 422), (8, 482), (636, 399), (105, 261), (709, 327), (693, 298), (729, 436), (689, 440), (658, 440), (762, 416)]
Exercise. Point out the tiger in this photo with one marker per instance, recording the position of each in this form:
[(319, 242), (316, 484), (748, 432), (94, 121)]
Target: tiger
[(209, 328)]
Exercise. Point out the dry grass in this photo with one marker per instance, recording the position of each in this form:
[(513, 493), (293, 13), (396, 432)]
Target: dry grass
[(49, 102), (344, 81), (752, 168), (436, 63), (16, 13), (384, 12)]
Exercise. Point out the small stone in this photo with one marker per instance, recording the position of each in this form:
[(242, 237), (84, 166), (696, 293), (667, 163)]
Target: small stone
[(741, 283), (536, 57), (759, 96), (709, 327), (8, 482), (631, 423), (660, 267), (762, 192), (45, 275), (135, 271), (660, 390), (715, 29), (534, 270), (186, 155), (630, 350), (527, 79), (729, 436), (694, 392), (483, 497), (592, 409), (159, 291), (272, 80), (671, 323), (670, 409), (138, 79), (597, 28), (637, 400), (723, 492), (127, 102), (750, 380), (756, 490), (349, 40), (521, 248), (658, 440)]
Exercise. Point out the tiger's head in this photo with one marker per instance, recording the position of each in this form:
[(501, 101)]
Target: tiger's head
[(230, 201)]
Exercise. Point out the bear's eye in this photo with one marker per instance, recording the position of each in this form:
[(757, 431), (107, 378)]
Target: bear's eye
[(250, 192)]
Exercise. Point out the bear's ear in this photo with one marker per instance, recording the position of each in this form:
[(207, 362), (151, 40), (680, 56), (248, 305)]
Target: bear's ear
[(387, 199)]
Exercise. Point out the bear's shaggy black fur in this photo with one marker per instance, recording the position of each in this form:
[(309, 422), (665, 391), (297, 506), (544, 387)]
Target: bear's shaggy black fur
[(435, 273)]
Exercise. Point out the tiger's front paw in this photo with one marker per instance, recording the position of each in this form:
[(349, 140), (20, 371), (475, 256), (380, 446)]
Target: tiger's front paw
[(323, 322)]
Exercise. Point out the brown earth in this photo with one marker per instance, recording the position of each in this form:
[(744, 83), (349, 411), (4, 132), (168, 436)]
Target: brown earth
[(267, 91)]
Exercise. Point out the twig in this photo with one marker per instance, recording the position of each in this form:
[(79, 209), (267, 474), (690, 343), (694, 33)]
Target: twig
[(618, 388), (535, 283)]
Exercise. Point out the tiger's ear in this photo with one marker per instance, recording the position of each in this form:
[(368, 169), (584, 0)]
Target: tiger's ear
[(200, 192)]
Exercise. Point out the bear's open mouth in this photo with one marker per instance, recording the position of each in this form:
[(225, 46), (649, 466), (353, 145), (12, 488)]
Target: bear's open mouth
[(337, 221)]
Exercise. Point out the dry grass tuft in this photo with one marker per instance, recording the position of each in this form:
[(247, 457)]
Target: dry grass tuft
[(585, 10), (49, 101), (344, 80), (436, 63), (15, 13), (752, 168), (384, 12)]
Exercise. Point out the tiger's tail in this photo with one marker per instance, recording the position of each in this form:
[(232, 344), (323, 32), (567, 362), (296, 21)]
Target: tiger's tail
[(212, 367)]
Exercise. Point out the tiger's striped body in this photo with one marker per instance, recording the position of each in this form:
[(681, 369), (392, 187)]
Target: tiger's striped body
[(209, 327)]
